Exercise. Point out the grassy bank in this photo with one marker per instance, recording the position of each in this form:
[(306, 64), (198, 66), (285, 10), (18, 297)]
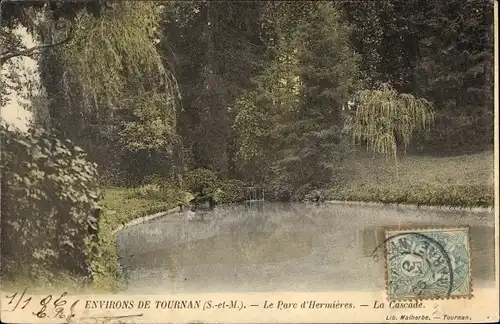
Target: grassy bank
[(461, 181), (120, 207)]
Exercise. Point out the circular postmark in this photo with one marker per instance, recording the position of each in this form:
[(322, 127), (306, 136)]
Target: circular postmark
[(430, 263), (418, 266)]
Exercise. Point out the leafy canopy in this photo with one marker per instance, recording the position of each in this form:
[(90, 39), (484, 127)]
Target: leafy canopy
[(120, 45)]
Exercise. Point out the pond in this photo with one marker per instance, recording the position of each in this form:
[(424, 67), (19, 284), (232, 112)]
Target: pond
[(283, 247)]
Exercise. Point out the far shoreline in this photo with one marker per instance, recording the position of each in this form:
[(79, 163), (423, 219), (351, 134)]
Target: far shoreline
[(475, 210)]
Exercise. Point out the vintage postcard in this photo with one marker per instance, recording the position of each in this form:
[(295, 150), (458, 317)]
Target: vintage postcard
[(249, 161)]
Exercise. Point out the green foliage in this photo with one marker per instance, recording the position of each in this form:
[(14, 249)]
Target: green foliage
[(455, 133), (316, 196), (367, 37), (414, 46), (165, 192), (288, 125), (261, 115), (14, 12), (120, 44), (231, 191), (263, 85), (223, 191), (283, 188), (152, 127), (385, 118), (312, 143), (49, 199), (16, 77), (216, 48), (112, 84), (9, 39), (328, 63), (148, 191), (459, 79), (198, 179)]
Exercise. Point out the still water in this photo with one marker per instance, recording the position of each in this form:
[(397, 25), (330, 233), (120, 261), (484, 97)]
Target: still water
[(283, 247)]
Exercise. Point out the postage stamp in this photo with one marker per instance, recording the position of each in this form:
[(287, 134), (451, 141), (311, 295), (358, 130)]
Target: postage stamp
[(428, 263)]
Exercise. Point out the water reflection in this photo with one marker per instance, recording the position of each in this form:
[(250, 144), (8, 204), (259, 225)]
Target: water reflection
[(282, 247)]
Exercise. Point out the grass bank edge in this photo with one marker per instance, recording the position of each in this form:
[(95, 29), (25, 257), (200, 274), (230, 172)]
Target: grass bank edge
[(121, 206), (458, 196)]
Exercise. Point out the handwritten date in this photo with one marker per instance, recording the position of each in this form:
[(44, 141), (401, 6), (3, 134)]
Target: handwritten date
[(49, 305)]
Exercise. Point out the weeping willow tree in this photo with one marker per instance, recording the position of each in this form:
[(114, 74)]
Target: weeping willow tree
[(115, 78), (120, 45), (386, 119), (117, 62)]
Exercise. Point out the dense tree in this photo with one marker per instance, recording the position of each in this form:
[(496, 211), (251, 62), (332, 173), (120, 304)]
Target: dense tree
[(386, 35), (27, 13), (441, 51), (252, 90), (328, 76), (455, 70), (216, 49), (112, 84), (289, 126), (49, 189)]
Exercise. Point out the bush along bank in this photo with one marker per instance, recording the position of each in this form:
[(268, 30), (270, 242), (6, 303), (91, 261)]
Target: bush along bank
[(49, 200), (223, 191)]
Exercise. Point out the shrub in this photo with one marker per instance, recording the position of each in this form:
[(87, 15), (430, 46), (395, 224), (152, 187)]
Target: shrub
[(197, 179), (49, 204), (455, 133), (174, 196), (231, 191), (282, 191)]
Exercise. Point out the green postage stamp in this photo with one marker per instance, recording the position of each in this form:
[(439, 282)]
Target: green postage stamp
[(429, 263)]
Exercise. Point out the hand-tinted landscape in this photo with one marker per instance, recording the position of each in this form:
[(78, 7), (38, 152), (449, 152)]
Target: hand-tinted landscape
[(249, 119)]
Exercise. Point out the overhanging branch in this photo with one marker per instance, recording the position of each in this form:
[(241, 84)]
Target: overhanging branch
[(30, 52)]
